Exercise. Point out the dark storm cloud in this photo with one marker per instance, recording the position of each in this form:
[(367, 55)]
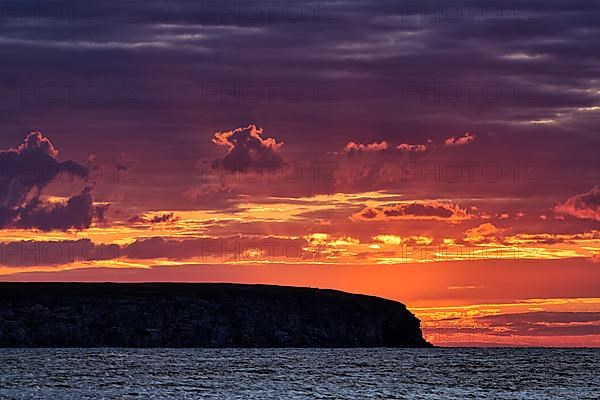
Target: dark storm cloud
[(380, 52), (26, 171)]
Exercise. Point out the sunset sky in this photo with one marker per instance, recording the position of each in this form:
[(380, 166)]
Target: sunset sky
[(443, 154)]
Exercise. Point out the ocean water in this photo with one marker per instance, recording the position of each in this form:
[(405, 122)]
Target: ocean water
[(299, 374)]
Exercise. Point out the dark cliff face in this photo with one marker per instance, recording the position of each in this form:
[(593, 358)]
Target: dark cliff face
[(199, 315)]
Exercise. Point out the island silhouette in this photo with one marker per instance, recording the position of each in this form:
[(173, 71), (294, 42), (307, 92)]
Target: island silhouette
[(184, 315)]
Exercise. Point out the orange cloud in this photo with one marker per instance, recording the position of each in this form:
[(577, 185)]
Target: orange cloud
[(484, 233), (353, 147), (398, 240), (460, 141), (585, 206), (416, 148)]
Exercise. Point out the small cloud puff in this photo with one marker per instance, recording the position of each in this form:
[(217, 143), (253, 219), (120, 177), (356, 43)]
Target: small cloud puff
[(460, 141), (247, 147), (355, 148)]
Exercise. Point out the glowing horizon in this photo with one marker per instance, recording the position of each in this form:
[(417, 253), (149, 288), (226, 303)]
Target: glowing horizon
[(444, 164)]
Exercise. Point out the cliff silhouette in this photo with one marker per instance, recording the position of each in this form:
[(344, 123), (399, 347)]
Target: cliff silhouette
[(199, 315)]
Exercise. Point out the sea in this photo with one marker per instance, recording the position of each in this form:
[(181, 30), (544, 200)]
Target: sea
[(438, 373)]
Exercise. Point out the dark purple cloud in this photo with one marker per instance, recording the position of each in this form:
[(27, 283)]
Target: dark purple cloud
[(26, 171), (231, 248), (586, 205), (248, 149), (422, 210), (157, 219)]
